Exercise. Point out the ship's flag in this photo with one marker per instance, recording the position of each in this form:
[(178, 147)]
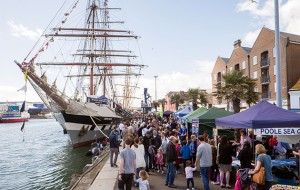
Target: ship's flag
[(22, 107), (26, 75), (23, 125), (24, 88), (47, 44), (41, 50)]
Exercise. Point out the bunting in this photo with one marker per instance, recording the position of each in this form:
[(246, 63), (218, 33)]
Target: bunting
[(24, 88), (45, 45), (26, 77), (22, 107), (23, 125), (27, 64)]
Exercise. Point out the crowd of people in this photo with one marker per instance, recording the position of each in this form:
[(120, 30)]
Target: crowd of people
[(162, 145)]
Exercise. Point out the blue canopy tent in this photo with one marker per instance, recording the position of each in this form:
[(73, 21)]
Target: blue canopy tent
[(261, 115), (184, 111), (179, 110)]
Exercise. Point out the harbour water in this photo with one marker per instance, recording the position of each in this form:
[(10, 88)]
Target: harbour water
[(44, 160)]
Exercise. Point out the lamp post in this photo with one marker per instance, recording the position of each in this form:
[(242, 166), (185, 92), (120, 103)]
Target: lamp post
[(277, 52), (277, 49), (155, 77)]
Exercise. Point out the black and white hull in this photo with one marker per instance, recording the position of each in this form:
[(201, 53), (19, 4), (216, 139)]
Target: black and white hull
[(87, 122)]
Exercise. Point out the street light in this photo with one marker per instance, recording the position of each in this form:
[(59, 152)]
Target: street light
[(278, 64), (155, 77), (277, 52)]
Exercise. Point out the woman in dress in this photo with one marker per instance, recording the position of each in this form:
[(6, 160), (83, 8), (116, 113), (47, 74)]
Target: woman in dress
[(225, 160), (139, 152)]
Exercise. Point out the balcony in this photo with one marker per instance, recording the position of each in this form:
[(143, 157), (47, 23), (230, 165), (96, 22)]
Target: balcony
[(265, 79), (264, 63), (266, 95)]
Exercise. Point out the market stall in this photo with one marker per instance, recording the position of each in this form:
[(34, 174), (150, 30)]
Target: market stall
[(207, 121), (183, 112), (193, 125), (265, 117)]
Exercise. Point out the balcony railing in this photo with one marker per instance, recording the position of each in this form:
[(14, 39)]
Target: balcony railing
[(265, 63), (265, 79), (266, 95)]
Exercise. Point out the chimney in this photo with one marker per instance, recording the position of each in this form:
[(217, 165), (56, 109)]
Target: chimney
[(237, 44)]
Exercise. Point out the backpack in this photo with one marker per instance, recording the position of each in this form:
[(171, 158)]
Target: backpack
[(151, 150)]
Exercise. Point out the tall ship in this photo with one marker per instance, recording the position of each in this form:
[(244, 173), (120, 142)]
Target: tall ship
[(84, 70)]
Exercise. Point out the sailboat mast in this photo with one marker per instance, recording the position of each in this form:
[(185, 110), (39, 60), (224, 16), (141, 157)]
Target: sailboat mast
[(94, 7), (105, 46)]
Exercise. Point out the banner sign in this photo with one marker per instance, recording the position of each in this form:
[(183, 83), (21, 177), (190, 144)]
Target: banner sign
[(277, 131), (195, 126), (97, 100)]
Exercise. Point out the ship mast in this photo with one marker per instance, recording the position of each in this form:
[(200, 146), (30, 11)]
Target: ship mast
[(105, 46), (95, 58), (93, 9)]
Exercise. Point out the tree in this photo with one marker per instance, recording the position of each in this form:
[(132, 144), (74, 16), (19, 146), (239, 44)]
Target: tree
[(177, 99), (197, 97), (162, 102), (237, 87), (251, 95), (155, 105)]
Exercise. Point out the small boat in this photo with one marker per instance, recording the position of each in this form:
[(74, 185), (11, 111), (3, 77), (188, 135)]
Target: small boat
[(14, 118)]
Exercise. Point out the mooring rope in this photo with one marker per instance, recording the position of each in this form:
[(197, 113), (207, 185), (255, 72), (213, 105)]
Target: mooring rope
[(94, 121)]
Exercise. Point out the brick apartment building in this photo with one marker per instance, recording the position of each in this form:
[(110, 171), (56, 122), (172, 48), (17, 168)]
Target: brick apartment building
[(169, 105), (258, 63)]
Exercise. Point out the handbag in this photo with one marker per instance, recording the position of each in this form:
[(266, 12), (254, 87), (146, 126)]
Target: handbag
[(259, 177)]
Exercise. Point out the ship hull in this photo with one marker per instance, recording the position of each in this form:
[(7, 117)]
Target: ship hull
[(82, 129), (13, 120)]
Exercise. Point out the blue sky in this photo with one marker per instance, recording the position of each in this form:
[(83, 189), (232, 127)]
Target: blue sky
[(180, 40)]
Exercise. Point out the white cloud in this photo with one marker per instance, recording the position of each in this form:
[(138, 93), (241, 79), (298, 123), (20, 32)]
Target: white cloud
[(20, 31), (263, 15), (195, 76), (9, 93), (250, 38)]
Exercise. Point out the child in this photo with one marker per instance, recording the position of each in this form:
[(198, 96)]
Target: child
[(189, 174), (143, 180), (179, 160), (185, 152), (160, 161)]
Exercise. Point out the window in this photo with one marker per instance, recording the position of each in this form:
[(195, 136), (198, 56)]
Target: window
[(275, 70), (244, 65), (274, 51), (255, 74), (256, 89), (237, 67), (215, 76), (230, 69), (254, 60)]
